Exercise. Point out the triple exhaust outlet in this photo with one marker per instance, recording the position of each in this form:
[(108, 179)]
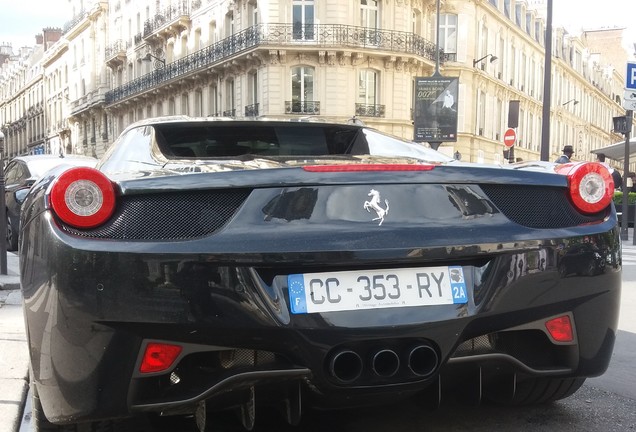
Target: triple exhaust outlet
[(347, 365)]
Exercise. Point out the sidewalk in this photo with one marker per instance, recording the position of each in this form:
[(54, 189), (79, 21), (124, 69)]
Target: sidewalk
[(13, 349)]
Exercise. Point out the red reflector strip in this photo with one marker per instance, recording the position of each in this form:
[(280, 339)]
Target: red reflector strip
[(159, 357), (560, 329), (368, 167)]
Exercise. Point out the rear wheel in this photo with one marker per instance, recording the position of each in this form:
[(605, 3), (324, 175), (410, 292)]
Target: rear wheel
[(12, 236)]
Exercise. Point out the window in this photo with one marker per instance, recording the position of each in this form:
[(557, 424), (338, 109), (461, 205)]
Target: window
[(185, 104), (229, 24), (253, 14), (369, 14), (484, 43), (367, 87), (416, 27), (303, 19), (198, 103), (252, 94), (448, 33), (481, 112), (229, 99), (213, 108), (499, 120), (302, 88), (197, 40), (518, 15)]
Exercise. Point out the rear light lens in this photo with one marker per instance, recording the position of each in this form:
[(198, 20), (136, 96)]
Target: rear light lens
[(159, 357), (368, 167), (590, 184), (83, 197), (560, 329)]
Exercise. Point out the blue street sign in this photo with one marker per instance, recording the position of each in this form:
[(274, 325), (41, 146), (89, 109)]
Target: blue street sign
[(630, 81)]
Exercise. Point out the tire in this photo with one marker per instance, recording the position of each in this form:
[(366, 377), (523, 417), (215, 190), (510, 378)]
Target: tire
[(12, 236), (535, 391)]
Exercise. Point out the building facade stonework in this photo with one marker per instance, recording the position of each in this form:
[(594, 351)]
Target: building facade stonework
[(119, 61)]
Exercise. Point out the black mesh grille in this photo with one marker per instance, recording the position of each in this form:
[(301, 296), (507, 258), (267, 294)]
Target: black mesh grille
[(537, 206), (171, 216)]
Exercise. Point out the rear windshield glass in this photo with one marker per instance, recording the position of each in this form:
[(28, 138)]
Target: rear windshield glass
[(224, 140), (205, 141)]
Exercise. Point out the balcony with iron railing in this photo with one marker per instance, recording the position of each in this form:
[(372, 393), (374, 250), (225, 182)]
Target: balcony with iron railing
[(369, 110), (172, 19), (229, 113), (116, 54), (302, 107), (74, 21), (279, 35)]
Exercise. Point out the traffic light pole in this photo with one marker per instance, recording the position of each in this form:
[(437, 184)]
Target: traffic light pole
[(625, 216)]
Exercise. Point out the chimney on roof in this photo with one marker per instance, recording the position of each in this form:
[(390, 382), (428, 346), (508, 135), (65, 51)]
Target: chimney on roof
[(50, 36)]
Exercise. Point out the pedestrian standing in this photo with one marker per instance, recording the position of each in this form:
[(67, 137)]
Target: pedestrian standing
[(568, 151)]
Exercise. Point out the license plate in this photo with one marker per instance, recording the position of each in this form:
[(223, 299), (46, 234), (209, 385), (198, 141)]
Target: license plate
[(373, 289)]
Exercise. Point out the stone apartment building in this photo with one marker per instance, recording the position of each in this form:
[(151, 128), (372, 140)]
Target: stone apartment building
[(119, 61)]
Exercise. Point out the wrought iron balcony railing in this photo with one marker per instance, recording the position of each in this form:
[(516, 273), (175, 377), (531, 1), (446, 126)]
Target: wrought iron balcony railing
[(165, 17), (324, 36), (302, 107), (74, 21), (251, 110), (369, 110), (115, 49), (229, 113)]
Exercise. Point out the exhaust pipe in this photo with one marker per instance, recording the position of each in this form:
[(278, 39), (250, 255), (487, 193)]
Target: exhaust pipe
[(385, 363), (423, 360), (346, 366)]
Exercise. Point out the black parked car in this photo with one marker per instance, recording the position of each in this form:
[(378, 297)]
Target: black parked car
[(215, 264), (20, 174)]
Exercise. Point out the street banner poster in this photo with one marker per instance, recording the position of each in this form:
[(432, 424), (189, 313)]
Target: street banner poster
[(435, 116)]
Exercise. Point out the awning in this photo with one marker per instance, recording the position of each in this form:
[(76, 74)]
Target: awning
[(617, 151)]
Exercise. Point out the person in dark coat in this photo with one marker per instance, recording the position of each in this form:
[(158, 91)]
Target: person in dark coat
[(568, 151)]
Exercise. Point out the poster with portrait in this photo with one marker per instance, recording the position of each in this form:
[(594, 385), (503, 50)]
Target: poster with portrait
[(435, 109)]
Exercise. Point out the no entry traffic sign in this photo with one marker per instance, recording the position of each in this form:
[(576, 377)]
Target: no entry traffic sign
[(510, 137)]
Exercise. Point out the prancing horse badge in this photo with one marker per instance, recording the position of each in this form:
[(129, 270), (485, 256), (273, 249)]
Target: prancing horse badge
[(376, 204)]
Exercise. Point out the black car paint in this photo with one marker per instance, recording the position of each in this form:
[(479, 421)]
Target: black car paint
[(110, 304)]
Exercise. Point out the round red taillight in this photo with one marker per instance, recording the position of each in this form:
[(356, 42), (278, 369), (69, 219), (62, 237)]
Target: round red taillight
[(590, 184), (83, 197)]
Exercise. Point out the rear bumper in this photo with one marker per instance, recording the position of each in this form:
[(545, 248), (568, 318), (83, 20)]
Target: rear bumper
[(90, 313)]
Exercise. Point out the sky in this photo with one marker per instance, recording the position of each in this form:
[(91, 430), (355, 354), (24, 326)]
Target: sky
[(21, 20), (576, 15)]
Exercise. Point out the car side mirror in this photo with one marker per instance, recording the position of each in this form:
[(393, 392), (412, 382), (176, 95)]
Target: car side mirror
[(20, 194)]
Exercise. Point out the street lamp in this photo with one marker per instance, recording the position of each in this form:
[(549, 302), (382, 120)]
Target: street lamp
[(571, 100), (3, 216), (159, 62), (493, 58)]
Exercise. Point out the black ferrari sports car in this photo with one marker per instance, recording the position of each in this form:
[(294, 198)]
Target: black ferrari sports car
[(209, 265)]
